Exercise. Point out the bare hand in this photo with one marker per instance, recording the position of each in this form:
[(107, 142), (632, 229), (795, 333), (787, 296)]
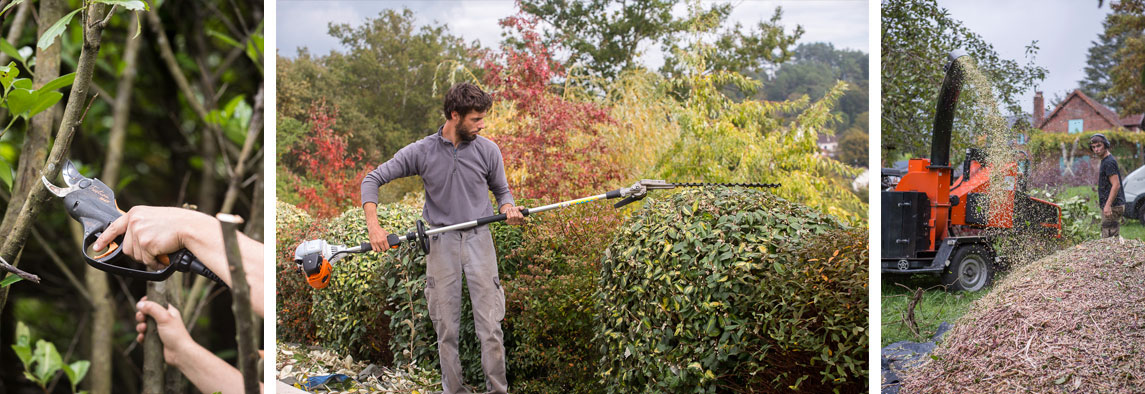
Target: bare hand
[(149, 232), (1107, 211), (513, 215), (170, 328), (378, 239)]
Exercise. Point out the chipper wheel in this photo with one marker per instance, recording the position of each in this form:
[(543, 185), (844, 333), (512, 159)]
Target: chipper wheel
[(971, 269)]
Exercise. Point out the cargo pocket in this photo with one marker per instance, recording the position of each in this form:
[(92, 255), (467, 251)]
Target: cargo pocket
[(499, 309), (430, 299)]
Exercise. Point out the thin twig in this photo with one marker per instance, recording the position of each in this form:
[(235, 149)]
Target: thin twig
[(18, 272)]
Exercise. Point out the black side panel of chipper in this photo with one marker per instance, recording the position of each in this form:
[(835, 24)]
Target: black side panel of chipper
[(1032, 213), (977, 208), (905, 215)]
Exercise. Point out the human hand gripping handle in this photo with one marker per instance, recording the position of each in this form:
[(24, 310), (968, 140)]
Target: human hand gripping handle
[(144, 234)]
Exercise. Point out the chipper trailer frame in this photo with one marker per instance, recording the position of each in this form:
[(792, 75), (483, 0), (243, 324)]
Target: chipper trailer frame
[(934, 224)]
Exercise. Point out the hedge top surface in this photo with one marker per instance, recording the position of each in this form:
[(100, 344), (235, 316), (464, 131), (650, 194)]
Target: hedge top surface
[(1070, 322)]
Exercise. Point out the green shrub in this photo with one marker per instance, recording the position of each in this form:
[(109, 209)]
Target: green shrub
[(292, 302), (714, 290), (353, 313), (552, 267)]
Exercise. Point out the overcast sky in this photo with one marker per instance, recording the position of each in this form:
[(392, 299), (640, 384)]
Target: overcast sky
[(843, 23), (1063, 29)]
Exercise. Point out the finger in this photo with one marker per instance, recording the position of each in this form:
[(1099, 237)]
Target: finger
[(141, 328), (113, 230), (139, 338), (139, 317), (174, 312), (152, 309)]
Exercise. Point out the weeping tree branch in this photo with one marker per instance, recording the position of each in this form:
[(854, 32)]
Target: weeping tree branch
[(73, 116)]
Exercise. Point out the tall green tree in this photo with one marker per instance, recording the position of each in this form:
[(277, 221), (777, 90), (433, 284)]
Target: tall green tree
[(917, 36), (387, 85), (1100, 60), (1128, 73), (608, 36)]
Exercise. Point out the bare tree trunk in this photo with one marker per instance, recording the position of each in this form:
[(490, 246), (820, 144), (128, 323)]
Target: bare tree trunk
[(103, 320), (254, 226), (153, 363), (36, 141), (244, 316), (18, 26), (93, 26)]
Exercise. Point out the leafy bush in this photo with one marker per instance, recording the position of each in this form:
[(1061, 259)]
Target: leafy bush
[(716, 290), (549, 298), (354, 313), (292, 301)]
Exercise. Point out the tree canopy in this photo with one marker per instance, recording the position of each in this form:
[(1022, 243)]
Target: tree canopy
[(916, 38)]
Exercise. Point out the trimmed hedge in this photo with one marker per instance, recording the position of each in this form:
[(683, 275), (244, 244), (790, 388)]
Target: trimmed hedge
[(732, 290)]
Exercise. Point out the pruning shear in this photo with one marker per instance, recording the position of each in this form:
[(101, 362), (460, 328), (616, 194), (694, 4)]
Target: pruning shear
[(90, 202)]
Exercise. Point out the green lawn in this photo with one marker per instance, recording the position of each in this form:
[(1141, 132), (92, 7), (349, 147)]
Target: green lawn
[(936, 306)]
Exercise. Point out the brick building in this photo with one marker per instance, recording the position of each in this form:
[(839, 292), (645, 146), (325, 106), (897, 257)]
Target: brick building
[(1080, 114)]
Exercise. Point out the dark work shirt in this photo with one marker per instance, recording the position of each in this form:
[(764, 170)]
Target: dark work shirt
[(457, 180), (1109, 168)]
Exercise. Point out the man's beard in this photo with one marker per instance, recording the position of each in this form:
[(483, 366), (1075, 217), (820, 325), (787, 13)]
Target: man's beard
[(465, 135)]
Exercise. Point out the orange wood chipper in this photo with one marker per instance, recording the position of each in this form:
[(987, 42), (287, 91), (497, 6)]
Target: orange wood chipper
[(937, 223)]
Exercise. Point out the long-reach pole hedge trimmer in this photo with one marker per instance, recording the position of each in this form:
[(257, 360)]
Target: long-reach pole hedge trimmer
[(314, 256)]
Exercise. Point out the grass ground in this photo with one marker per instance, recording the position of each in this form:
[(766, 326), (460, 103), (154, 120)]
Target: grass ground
[(937, 305)]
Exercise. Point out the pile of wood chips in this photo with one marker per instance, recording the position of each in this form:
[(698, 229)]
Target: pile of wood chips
[(1072, 322)]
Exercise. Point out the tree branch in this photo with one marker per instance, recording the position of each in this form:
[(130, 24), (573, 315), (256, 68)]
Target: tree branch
[(18, 272), (85, 67)]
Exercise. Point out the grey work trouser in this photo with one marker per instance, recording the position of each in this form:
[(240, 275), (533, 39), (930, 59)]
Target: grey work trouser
[(452, 254)]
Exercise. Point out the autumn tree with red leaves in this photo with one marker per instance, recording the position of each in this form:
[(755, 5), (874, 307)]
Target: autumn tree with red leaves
[(328, 174), (550, 141)]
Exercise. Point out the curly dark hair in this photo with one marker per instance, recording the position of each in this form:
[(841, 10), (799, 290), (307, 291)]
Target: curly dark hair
[(465, 98)]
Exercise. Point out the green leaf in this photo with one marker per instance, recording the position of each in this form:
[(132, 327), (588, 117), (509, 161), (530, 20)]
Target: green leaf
[(23, 346), (43, 101), (11, 278), (47, 359), (11, 51), (76, 372), (22, 83), (61, 81), (20, 101), (132, 5), (223, 37), (6, 176), (55, 30), (7, 74), (10, 5)]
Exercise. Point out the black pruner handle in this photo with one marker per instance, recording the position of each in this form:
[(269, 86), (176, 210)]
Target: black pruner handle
[(627, 200), (499, 218), (391, 239)]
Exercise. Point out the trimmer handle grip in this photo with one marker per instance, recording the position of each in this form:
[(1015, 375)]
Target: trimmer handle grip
[(391, 239), (366, 247), (499, 217)]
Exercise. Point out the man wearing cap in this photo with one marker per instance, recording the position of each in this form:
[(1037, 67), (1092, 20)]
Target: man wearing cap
[(1110, 196), (458, 169)]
